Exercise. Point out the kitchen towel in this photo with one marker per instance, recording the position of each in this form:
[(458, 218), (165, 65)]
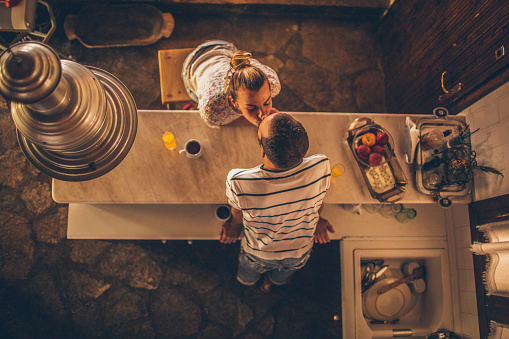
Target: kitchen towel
[(498, 331), (496, 274)]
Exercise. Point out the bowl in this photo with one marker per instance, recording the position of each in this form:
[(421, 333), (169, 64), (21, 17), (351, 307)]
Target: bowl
[(391, 305), (357, 141)]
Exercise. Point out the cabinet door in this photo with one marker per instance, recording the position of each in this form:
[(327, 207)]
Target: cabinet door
[(468, 40)]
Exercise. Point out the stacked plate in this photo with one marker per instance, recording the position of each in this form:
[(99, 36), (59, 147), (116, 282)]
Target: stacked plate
[(390, 305)]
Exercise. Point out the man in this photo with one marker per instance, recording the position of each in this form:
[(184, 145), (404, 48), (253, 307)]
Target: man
[(276, 205)]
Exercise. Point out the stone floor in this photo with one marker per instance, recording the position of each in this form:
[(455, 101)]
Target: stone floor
[(52, 287)]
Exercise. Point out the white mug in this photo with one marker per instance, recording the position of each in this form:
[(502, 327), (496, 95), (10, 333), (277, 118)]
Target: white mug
[(223, 213), (193, 149)]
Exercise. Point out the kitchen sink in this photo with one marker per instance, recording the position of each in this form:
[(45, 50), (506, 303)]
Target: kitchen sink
[(427, 312)]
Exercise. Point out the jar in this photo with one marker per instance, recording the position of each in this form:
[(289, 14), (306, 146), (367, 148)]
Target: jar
[(432, 139)]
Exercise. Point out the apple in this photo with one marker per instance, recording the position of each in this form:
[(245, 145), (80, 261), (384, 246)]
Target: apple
[(382, 138), (363, 152), (369, 139), (375, 159), (378, 149)]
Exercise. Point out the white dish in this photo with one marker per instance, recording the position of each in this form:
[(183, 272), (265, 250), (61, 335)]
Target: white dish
[(393, 304)]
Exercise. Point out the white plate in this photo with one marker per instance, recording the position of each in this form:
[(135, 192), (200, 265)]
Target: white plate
[(388, 306)]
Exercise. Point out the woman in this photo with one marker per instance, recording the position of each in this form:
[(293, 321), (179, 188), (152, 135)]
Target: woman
[(228, 84)]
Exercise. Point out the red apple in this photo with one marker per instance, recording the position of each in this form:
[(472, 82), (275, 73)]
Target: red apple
[(369, 139), (378, 149), (363, 152), (375, 159), (382, 138)]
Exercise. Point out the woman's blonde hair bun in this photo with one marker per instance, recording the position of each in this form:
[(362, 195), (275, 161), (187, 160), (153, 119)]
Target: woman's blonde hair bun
[(240, 59), (242, 74)]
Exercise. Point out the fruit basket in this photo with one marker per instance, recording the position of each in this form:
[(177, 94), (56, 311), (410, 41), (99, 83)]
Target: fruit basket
[(372, 145), (382, 173)]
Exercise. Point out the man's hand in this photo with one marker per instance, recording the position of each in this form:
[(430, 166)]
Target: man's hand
[(321, 235), (231, 229), (230, 232)]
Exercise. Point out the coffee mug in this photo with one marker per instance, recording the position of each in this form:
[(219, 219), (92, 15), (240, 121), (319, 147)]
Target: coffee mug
[(223, 213), (192, 149)]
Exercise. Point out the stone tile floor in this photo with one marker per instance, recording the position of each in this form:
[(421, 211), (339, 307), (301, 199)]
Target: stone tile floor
[(52, 287)]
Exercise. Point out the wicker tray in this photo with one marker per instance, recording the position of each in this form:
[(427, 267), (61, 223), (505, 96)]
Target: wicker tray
[(385, 182)]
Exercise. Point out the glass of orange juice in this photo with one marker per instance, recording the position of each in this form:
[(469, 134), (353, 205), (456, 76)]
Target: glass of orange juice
[(169, 140), (337, 170)]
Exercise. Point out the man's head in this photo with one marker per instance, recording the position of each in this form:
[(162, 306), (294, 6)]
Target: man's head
[(283, 139)]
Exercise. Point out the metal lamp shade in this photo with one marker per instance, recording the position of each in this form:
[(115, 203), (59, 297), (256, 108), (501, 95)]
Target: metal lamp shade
[(74, 123)]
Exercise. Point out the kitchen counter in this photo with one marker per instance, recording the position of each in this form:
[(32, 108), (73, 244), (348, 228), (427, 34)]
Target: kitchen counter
[(151, 174), (197, 222)]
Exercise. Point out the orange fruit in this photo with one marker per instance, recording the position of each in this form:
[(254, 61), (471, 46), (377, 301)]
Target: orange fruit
[(369, 139)]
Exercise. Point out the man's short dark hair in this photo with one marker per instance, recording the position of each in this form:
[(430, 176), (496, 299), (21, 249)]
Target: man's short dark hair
[(287, 142)]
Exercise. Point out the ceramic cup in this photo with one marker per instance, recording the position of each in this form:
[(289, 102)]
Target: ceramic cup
[(409, 267), (223, 213), (417, 286), (193, 149)]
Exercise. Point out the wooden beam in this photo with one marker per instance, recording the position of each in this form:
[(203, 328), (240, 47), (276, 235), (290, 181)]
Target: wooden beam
[(331, 3)]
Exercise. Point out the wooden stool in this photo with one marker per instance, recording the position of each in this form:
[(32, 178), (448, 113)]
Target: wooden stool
[(170, 75)]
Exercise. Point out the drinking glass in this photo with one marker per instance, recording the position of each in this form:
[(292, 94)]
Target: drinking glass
[(337, 170), (372, 208), (169, 140), (406, 214), (390, 210)]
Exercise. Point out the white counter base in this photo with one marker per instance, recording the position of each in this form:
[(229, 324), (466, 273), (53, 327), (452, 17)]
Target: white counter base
[(197, 222)]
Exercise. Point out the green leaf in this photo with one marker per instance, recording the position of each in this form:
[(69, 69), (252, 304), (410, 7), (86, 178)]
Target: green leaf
[(487, 169)]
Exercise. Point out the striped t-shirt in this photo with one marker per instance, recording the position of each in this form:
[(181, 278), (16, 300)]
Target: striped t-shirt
[(280, 209)]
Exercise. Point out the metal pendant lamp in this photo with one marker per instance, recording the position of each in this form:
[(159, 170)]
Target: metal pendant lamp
[(74, 122)]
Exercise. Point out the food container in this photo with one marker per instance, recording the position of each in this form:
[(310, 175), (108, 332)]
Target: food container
[(386, 182)]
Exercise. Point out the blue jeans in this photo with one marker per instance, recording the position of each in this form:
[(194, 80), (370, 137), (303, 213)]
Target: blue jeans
[(279, 271)]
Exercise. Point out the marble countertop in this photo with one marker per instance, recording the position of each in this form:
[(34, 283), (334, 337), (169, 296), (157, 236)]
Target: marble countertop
[(152, 174)]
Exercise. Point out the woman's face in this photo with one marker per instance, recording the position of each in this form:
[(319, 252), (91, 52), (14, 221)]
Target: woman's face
[(254, 105)]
